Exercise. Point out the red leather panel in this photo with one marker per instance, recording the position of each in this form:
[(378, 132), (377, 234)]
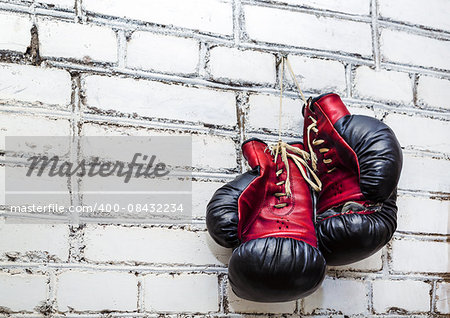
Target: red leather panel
[(333, 107), (258, 217), (342, 184)]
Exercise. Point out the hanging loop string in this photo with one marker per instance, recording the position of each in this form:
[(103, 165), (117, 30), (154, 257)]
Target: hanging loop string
[(281, 99), (298, 156), (295, 80)]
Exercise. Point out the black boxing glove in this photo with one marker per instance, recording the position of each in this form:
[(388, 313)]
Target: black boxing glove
[(358, 160)]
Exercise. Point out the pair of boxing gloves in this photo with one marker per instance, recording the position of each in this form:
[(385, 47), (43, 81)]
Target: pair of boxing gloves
[(281, 243)]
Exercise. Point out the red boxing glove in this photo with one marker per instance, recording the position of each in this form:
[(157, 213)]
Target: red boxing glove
[(267, 214)]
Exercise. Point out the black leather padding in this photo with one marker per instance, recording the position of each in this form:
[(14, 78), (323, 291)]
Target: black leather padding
[(222, 210), (275, 269), (378, 151), (348, 238)]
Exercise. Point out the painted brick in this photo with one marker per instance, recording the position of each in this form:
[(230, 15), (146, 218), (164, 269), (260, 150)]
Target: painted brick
[(208, 152), (419, 256), (28, 125), (406, 48), (33, 183), (15, 32), (318, 75), (22, 292), (213, 152), (420, 132), (264, 110), (213, 16), (154, 99), (422, 215), (181, 293), (163, 53), (120, 244), (78, 41), (411, 296), (360, 110), (96, 291), (413, 12), (31, 84), (442, 296), (349, 6), (277, 26), (372, 263), (239, 305), (341, 295), (389, 86), (424, 174), (65, 4), (202, 192), (47, 240), (245, 66), (433, 92)]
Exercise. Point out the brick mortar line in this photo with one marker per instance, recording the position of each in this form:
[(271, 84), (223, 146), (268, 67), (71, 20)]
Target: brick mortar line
[(309, 10), (230, 42), (79, 13), (412, 28), (385, 22), (203, 83), (375, 33), (48, 110), (145, 270), (340, 57)]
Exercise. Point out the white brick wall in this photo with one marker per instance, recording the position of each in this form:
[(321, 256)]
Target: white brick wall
[(424, 174), (34, 241), (413, 12), (66, 4), (372, 263), (239, 305), (207, 68), (213, 153), (205, 15), (349, 6), (28, 125), (72, 40), (396, 46), (347, 296), (96, 291), (383, 85), (246, 66), (411, 296), (15, 34), (151, 99), (307, 30), (410, 255), (264, 109), (181, 293), (423, 215), (24, 83), (162, 53), (442, 295), (434, 92), (202, 192), (22, 292), (420, 132), (116, 244), (318, 75)]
